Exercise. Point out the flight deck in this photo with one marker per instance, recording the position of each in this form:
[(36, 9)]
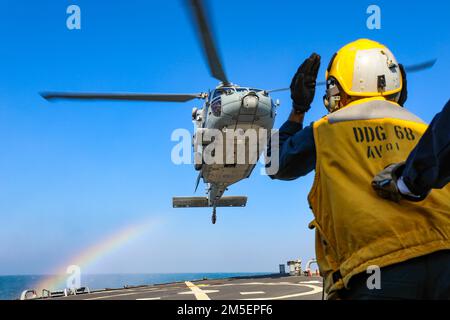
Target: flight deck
[(274, 287)]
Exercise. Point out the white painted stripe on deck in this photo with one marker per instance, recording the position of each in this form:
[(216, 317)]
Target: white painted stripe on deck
[(113, 295), (204, 291), (314, 290), (199, 293), (252, 292), (156, 298), (122, 294)]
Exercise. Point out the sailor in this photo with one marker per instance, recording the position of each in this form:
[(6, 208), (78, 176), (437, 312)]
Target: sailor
[(366, 129), (427, 167)]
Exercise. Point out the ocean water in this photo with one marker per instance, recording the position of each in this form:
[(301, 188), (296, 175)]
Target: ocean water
[(12, 286)]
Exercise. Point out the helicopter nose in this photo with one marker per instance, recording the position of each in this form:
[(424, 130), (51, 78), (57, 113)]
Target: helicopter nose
[(250, 101)]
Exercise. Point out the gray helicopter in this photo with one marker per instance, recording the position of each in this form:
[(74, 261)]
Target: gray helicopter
[(227, 107)]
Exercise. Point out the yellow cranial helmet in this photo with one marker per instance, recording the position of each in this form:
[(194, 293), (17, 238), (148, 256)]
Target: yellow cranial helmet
[(365, 68)]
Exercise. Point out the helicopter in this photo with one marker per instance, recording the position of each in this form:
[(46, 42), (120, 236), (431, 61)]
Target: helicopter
[(226, 107)]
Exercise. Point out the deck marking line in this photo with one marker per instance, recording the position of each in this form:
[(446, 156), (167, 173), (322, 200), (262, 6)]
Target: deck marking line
[(252, 292), (112, 296), (199, 293), (156, 298), (204, 291), (122, 294), (314, 290)]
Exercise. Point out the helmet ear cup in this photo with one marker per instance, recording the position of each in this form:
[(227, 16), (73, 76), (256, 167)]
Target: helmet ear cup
[(332, 97), (326, 102), (334, 103), (331, 103)]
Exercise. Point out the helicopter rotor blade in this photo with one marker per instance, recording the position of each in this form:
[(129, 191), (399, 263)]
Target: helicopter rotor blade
[(278, 90), (410, 69), (320, 83), (420, 66), (123, 96), (204, 30)]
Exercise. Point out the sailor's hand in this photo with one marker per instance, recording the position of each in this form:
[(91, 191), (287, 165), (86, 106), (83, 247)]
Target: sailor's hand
[(385, 182), (389, 184), (303, 84)]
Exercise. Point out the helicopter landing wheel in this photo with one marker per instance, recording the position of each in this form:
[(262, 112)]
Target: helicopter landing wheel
[(214, 216)]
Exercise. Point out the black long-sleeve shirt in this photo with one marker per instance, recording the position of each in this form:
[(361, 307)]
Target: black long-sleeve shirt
[(428, 165)]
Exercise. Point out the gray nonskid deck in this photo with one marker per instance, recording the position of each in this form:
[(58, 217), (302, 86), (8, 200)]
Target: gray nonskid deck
[(259, 288)]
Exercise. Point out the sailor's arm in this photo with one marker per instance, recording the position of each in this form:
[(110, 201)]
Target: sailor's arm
[(297, 151), (427, 167)]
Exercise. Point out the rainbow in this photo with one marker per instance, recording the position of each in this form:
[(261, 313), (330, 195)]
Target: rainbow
[(57, 281)]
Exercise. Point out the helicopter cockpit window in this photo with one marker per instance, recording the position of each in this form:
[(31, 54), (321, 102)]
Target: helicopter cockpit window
[(216, 107), (228, 91), (217, 93)]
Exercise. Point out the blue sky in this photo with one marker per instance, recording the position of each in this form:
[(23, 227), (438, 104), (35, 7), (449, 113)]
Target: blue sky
[(71, 173)]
